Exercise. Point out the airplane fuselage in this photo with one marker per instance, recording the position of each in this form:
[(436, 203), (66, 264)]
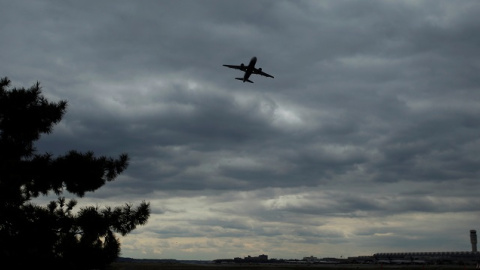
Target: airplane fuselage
[(250, 68)]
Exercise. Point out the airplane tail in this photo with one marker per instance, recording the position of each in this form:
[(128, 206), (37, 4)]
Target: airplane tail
[(241, 79)]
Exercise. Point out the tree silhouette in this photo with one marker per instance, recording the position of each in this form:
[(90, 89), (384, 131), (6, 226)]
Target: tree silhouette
[(54, 236)]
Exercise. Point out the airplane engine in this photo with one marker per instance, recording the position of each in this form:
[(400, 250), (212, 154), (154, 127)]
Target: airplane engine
[(242, 65), (259, 69)]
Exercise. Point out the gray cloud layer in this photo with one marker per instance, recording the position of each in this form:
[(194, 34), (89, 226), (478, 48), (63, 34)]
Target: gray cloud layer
[(365, 141)]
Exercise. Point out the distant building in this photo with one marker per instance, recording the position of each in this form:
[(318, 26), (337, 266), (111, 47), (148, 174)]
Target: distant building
[(473, 240), (310, 259), (259, 258), (465, 257), (249, 259), (361, 259)]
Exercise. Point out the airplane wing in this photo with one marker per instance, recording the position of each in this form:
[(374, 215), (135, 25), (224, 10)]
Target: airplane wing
[(260, 72), (241, 67)]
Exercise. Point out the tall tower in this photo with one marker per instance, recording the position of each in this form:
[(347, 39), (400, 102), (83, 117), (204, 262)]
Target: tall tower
[(473, 240)]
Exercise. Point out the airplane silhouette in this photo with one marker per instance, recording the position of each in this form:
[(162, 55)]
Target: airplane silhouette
[(249, 70)]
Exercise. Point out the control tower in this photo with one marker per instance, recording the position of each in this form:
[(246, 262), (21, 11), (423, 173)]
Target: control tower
[(473, 240)]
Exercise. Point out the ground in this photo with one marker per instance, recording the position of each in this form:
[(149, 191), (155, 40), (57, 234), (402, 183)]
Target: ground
[(180, 266)]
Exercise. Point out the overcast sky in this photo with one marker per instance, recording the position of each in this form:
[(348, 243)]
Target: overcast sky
[(367, 140)]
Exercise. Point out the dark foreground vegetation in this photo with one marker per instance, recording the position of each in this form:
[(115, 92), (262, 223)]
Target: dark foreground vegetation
[(54, 236), (183, 266)]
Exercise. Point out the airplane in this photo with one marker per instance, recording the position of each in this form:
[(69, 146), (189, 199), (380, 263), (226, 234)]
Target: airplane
[(249, 70)]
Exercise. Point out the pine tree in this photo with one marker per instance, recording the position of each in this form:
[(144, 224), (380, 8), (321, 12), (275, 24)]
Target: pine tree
[(54, 236)]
